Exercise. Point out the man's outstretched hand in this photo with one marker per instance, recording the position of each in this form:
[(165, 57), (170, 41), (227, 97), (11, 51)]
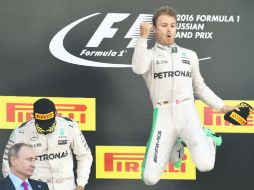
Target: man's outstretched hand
[(225, 109)]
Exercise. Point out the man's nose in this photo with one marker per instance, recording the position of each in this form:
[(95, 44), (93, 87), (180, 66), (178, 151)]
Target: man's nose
[(33, 163)]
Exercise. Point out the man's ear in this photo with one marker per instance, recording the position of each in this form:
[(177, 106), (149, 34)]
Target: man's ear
[(153, 29), (13, 160)]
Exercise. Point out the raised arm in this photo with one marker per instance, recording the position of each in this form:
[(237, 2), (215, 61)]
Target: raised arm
[(141, 59)]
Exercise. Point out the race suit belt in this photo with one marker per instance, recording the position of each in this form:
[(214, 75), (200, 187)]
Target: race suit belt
[(56, 180), (174, 102)]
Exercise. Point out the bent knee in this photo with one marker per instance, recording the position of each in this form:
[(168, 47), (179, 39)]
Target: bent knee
[(149, 179), (205, 166)]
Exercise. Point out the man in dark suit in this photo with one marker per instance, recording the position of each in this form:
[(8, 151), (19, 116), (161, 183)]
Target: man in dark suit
[(21, 158)]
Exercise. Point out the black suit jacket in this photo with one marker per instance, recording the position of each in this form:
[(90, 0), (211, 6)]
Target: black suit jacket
[(7, 184)]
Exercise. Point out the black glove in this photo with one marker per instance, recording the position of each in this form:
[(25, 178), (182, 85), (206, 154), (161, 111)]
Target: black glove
[(239, 117)]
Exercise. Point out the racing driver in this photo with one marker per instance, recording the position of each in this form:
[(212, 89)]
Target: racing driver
[(173, 78)]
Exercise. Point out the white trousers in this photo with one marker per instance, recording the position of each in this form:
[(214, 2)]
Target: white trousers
[(169, 123)]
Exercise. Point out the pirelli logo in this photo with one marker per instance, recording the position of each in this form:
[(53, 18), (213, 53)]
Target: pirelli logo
[(16, 110), (125, 162), (47, 116), (238, 118), (215, 120)]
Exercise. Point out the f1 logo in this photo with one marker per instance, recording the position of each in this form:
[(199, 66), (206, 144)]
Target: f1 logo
[(105, 29)]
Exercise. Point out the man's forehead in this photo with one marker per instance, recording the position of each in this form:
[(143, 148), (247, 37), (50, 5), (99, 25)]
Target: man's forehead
[(166, 17), (26, 150)]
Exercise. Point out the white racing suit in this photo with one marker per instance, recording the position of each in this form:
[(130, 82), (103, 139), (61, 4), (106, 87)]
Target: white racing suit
[(54, 153), (172, 76)]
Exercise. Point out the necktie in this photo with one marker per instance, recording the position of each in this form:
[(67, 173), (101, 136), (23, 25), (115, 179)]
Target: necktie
[(24, 184)]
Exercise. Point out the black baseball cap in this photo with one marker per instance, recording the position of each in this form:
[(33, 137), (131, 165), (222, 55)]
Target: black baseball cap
[(44, 112)]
